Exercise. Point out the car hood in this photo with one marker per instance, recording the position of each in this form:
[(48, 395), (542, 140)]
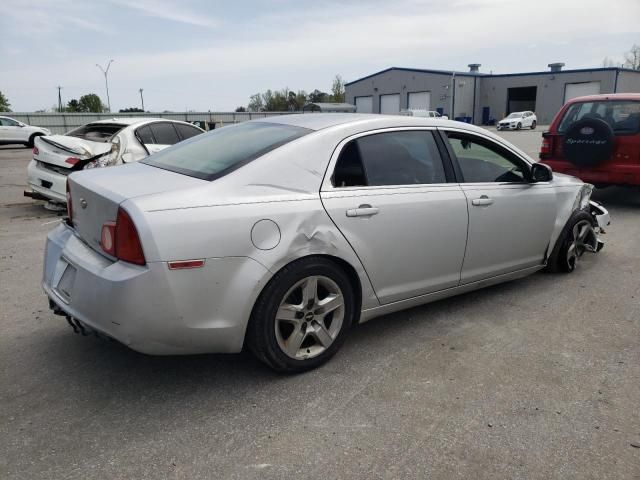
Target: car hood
[(509, 120)]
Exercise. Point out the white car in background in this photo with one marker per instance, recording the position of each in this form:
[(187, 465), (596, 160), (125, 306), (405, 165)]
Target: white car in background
[(13, 131), (417, 112), (98, 144), (518, 120)]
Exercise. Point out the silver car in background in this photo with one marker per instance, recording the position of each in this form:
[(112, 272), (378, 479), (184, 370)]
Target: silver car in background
[(280, 234)]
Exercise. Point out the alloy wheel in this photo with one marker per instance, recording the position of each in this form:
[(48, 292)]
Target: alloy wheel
[(310, 317), (582, 241)]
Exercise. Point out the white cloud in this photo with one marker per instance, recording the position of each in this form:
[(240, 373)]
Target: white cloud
[(176, 12)]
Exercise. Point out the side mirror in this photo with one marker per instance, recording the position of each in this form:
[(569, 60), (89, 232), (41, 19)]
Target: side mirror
[(541, 172)]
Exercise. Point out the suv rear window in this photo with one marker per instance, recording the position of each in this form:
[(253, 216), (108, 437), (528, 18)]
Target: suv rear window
[(213, 155), (96, 132), (623, 116)]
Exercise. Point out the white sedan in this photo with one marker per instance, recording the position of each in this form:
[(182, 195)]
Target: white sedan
[(518, 120), (13, 131), (98, 144)]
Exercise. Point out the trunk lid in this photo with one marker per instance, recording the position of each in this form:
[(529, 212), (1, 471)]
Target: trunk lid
[(96, 194), (56, 149)]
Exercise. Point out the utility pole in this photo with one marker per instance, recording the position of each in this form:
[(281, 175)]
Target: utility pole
[(59, 99), (453, 96), (105, 72), (142, 99)]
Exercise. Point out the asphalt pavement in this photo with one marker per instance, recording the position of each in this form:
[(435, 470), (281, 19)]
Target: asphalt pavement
[(537, 378)]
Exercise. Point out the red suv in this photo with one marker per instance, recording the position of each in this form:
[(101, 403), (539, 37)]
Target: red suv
[(597, 139)]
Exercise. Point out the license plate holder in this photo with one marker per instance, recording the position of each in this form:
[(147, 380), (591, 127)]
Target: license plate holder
[(66, 280)]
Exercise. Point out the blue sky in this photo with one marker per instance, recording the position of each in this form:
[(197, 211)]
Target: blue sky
[(212, 55)]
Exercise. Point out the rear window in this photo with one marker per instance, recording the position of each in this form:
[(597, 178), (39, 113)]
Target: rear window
[(623, 116), (96, 132), (164, 133), (212, 155), (187, 131)]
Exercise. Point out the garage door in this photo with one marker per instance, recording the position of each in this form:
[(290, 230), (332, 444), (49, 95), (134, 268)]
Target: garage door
[(573, 90), (364, 104), (419, 100), (390, 104)]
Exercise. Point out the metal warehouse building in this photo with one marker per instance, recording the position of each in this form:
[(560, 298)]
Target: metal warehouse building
[(479, 97)]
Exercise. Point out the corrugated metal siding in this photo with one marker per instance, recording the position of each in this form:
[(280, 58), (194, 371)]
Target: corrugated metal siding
[(63, 122)]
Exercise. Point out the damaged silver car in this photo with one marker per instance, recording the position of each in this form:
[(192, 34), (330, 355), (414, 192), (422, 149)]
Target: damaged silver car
[(98, 144), (282, 233)]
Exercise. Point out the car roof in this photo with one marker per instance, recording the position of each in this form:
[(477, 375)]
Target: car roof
[(319, 121), (133, 120), (606, 96)]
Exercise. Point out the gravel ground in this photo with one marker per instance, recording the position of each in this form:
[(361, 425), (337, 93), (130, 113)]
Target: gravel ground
[(537, 378)]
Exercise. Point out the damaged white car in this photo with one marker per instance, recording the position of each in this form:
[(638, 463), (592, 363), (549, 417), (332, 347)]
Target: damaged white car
[(282, 233), (98, 144)]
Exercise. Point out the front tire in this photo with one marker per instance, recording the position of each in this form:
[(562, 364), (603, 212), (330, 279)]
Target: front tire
[(302, 316), (577, 238), (519, 126), (533, 125)]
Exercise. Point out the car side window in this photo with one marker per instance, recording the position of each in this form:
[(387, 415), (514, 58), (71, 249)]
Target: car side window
[(145, 135), (7, 122), (187, 131), (483, 161), (164, 133), (391, 158)]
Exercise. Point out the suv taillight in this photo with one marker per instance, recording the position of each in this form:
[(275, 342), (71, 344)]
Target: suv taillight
[(547, 146), (69, 206), (121, 239)]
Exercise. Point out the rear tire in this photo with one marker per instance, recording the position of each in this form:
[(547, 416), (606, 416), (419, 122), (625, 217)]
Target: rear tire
[(303, 315), (569, 248)]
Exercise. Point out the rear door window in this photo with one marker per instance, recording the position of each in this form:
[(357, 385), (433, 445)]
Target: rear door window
[(623, 116), (145, 135), (164, 133), (187, 131), (391, 158)]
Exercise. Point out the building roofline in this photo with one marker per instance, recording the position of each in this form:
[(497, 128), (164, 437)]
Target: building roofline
[(492, 75)]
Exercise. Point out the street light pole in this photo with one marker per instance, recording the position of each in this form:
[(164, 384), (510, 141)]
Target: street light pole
[(142, 99), (105, 72)]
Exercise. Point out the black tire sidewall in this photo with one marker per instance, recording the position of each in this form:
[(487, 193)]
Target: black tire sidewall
[(534, 124), (519, 126), (558, 258), (261, 334)]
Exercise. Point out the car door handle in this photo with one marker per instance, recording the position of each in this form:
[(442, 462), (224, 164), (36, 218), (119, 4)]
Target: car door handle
[(362, 211), (482, 201)]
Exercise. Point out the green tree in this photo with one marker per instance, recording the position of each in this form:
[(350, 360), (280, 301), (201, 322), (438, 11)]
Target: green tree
[(241, 109), (255, 103), (5, 106), (73, 106), (91, 103), (317, 96), (131, 110), (632, 58), (337, 90)]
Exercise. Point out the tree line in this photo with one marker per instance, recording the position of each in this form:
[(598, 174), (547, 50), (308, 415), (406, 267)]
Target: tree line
[(287, 100)]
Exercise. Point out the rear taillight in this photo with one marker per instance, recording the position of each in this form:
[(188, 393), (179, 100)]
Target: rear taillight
[(72, 160), (546, 150), (36, 151), (69, 206), (121, 240)]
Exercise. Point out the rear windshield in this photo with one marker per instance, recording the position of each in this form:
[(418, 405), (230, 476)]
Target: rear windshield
[(221, 151), (622, 115), (96, 132)]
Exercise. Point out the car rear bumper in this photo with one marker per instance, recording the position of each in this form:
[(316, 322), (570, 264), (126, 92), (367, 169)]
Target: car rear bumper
[(611, 174), (47, 183), (150, 308)]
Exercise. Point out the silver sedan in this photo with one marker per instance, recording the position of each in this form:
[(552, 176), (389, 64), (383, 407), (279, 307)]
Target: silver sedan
[(281, 234)]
